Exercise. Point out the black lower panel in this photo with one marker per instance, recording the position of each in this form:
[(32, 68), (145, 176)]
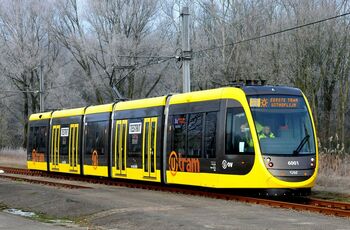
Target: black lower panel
[(293, 179)]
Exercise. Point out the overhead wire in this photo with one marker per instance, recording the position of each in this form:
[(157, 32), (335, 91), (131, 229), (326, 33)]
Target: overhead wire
[(19, 91), (7, 96), (146, 57), (273, 33), (143, 66)]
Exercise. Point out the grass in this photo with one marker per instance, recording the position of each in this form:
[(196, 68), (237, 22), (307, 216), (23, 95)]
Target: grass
[(333, 196), (333, 175), (2, 206), (334, 164), (13, 157), (334, 160), (41, 217), (50, 219), (334, 168)]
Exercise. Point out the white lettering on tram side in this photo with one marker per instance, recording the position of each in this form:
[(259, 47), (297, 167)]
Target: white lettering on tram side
[(226, 164)]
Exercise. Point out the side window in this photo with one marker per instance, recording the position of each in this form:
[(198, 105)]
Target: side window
[(238, 136), (195, 127), (210, 135), (36, 138), (38, 141), (42, 139), (31, 143), (101, 141), (135, 137), (32, 138), (96, 134), (180, 133), (64, 135)]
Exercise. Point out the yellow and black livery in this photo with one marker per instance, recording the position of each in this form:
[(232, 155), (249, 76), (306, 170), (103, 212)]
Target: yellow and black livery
[(136, 139), (65, 140), (38, 141), (96, 141), (210, 138)]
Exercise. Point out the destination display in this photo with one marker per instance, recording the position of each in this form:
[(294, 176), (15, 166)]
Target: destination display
[(277, 102)]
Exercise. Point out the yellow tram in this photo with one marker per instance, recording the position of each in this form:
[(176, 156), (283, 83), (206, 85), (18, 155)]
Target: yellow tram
[(259, 137)]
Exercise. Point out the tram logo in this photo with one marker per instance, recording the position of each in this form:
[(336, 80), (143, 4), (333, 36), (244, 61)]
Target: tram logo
[(225, 164), (182, 164)]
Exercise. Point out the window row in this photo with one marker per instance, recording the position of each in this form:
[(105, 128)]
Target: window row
[(238, 139), (194, 135), (37, 141), (96, 141)]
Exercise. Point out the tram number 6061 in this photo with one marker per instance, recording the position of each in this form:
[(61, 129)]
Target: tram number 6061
[(293, 163)]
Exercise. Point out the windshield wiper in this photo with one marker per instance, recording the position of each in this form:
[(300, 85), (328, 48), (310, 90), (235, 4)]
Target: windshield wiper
[(301, 145)]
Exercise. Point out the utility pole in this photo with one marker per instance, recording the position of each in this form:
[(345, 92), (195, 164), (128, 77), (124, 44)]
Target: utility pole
[(186, 50), (41, 89)]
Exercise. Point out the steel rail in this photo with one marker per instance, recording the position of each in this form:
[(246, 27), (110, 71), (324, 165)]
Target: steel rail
[(44, 182), (341, 209)]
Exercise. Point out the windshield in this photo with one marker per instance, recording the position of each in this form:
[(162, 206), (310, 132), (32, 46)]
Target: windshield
[(283, 124)]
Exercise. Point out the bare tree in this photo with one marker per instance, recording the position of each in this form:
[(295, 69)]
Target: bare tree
[(27, 52), (120, 31), (85, 47), (69, 30)]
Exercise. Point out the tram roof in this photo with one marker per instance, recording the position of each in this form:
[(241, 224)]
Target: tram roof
[(68, 112), (141, 103), (99, 109), (206, 95), (263, 90), (40, 116)]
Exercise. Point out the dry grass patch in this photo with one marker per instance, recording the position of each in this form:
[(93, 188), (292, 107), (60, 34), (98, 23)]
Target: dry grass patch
[(334, 172), (13, 157), (334, 165)]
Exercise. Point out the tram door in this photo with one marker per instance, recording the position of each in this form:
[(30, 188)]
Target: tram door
[(149, 150), (120, 147), (55, 147), (73, 147)]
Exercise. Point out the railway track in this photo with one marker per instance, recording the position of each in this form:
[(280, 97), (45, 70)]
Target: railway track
[(49, 183), (26, 172), (326, 207)]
